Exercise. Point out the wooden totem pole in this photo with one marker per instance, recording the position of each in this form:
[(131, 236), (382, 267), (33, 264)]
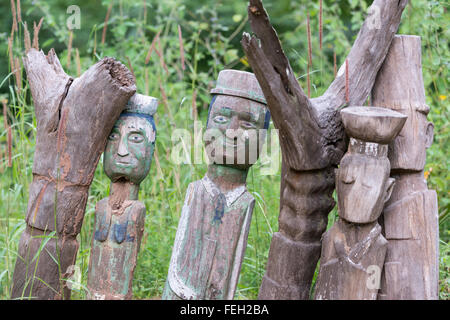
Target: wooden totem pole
[(74, 118), (311, 137), (212, 233), (411, 226), (354, 247), (120, 218)]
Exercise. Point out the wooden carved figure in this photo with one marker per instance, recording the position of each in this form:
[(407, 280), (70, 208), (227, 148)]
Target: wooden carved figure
[(214, 224), (119, 218), (353, 250), (411, 269)]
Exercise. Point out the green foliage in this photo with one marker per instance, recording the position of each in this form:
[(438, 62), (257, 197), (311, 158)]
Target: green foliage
[(444, 271), (211, 37)]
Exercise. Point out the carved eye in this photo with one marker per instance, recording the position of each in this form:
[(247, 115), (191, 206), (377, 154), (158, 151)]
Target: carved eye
[(135, 138), (220, 119), (247, 125), (113, 136)]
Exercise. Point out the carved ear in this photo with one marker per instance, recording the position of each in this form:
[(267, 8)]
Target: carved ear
[(389, 187), (429, 134)]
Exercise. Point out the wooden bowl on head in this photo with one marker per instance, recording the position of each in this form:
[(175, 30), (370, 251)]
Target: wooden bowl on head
[(372, 124)]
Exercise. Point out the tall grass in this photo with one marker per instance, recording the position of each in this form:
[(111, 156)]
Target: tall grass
[(176, 50)]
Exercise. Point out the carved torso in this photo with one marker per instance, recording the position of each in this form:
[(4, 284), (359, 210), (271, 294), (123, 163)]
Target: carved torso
[(115, 244), (210, 242), (350, 252)]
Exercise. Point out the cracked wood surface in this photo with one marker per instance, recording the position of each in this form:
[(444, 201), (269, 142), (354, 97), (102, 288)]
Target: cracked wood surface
[(74, 118), (312, 140)]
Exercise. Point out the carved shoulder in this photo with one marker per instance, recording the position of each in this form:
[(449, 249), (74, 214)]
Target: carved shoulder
[(248, 198), (137, 213), (101, 206), (192, 189)]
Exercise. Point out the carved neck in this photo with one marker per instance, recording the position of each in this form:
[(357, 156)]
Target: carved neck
[(121, 191), (226, 178), (367, 148), (406, 184)]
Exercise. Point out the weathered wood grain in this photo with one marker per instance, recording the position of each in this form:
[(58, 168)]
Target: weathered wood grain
[(114, 252), (410, 218), (74, 118), (311, 137)]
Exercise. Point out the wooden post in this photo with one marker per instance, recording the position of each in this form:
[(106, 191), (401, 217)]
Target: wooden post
[(312, 139), (120, 218), (74, 118), (353, 250), (212, 233), (411, 270)]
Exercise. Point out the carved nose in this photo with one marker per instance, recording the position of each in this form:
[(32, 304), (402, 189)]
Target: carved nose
[(234, 123), (123, 149)]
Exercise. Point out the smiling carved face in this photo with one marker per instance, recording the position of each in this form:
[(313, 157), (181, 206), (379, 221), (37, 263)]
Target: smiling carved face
[(129, 149), (233, 134)]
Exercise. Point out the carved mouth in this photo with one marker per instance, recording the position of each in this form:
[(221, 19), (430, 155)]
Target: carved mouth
[(123, 162)]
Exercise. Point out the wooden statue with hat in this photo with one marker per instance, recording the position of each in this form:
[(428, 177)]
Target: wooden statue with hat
[(212, 233), (353, 250)]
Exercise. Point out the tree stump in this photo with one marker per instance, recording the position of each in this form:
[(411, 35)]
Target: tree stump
[(312, 139), (410, 218), (74, 118)]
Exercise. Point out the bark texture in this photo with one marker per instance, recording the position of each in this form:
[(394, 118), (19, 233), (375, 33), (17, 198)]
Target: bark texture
[(74, 118), (312, 139)]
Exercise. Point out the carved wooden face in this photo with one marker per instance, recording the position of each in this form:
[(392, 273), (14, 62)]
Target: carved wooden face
[(363, 186), (129, 149), (408, 151), (234, 136)]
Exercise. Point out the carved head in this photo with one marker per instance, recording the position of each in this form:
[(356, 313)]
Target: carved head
[(237, 121), (408, 150), (130, 146), (363, 184)]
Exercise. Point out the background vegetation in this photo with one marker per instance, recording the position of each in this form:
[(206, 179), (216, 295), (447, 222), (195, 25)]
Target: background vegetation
[(211, 32)]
